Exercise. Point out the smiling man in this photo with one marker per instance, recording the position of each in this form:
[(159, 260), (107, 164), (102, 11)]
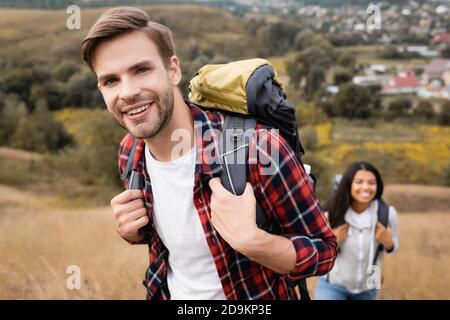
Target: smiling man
[(204, 242)]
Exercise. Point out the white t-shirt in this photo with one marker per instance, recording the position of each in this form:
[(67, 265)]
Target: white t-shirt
[(192, 273)]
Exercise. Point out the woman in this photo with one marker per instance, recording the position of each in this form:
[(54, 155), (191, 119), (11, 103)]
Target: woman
[(353, 215)]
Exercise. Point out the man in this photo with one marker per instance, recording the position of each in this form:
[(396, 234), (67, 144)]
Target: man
[(204, 241)]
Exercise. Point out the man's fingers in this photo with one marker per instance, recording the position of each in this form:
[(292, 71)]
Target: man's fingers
[(132, 216), (127, 196), (217, 188), (120, 209), (216, 185), (139, 223)]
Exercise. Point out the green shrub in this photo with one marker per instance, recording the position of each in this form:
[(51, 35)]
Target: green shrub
[(309, 137), (39, 132)]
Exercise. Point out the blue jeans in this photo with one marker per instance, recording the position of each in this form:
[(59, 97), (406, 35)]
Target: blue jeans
[(330, 291)]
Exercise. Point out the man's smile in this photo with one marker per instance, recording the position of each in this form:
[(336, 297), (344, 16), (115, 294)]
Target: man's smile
[(138, 111)]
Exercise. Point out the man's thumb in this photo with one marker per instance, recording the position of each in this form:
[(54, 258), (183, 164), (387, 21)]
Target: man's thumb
[(248, 189), (215, 184)]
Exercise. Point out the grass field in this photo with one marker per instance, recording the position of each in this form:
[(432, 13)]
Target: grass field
[(39, 241)]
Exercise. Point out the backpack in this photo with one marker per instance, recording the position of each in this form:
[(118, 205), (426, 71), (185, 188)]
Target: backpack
[(247, 91)]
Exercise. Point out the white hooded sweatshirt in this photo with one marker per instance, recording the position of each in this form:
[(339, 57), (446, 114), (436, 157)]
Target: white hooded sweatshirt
[(353, 267)]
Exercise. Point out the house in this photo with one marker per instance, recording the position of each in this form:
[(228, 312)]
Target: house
[(424, 51), (437, 70), (367, 81), (376, 69), (436, 80), (419, 30), (441, 38), (440, 10), (385, 39), (405, 82)]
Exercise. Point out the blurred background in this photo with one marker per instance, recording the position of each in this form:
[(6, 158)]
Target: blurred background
[(363, 90)]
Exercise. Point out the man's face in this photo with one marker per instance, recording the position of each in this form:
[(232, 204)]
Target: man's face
[(136, 86)]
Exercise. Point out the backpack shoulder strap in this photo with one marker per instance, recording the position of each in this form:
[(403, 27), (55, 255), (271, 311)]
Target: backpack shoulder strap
[(383, 218), (233, 150), (128, 172), (383, 213)]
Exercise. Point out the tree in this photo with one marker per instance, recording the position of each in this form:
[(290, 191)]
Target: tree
[(338, 39), (19, 82), (39, 132), (302, 39), (308, 113), (65, 70), (309, 137), (444, 115), (424, 110), (445, 52), (300, 64), (275, 38), (29, 136), (342, 75), (346, 60), (314, 80), (353, 101), (399, 108), (81, 90), (12, 111)]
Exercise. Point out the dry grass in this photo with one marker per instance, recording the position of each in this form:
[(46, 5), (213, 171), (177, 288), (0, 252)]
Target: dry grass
[(15, 154), (419, 270), (38, 242)]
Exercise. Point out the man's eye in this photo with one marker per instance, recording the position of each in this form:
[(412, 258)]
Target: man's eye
[(109, 82), (142, 69)]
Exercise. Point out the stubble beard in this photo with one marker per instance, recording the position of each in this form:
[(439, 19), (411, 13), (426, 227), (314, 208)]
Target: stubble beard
[(149, 128)]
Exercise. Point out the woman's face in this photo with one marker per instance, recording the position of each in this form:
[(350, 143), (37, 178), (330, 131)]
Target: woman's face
[(364, 187)]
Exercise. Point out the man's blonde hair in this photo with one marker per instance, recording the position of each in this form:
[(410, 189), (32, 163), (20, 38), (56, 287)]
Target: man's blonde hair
[(116, 21)]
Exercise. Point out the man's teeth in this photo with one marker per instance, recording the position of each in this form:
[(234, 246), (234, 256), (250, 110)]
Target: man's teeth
[(138, 110)]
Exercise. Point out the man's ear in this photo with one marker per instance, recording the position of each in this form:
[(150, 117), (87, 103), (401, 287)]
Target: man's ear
[(174, 70)]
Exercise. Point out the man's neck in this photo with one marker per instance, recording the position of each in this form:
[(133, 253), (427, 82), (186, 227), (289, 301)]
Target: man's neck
[(177, 137)]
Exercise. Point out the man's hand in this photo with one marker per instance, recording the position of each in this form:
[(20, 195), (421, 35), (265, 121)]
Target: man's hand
[(341, 233), (384, 236), (234, 217), (130, 214)]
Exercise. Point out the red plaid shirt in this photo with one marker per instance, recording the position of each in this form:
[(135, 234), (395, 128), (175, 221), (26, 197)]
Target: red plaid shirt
[(286, 196)]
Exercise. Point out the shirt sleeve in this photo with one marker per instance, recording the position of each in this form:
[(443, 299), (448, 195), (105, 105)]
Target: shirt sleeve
[(289, 197), (392, 223)]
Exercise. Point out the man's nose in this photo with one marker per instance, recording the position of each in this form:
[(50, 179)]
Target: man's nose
[(128, 90)]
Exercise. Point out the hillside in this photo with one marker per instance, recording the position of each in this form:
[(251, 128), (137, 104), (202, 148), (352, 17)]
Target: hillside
[(24, 31)]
